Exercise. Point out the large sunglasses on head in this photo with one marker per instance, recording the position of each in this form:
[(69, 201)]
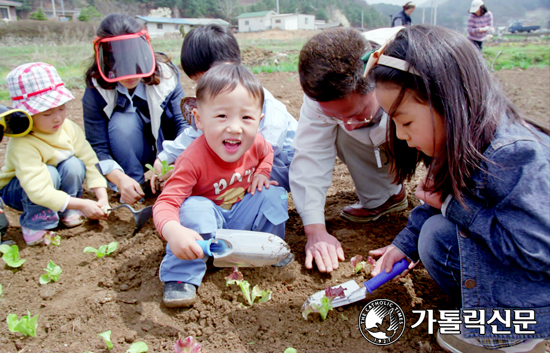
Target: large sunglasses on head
[(14, 122), (125, 57)]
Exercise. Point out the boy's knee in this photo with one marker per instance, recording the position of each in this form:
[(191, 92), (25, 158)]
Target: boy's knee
[(199, 213), (73, 166)]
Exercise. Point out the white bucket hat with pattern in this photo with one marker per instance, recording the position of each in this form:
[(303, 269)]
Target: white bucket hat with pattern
[(476, 4), (36, 88)]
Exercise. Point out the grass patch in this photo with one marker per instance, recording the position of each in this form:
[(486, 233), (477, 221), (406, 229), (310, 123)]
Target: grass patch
[(517, 55)]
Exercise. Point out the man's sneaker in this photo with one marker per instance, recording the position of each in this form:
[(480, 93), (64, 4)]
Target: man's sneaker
[(73, 218), (356, 213), (284, 262), (34, 237), (179, 294), (461, 344)]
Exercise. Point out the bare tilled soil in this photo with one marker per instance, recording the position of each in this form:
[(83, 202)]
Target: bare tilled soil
[(122, 292)]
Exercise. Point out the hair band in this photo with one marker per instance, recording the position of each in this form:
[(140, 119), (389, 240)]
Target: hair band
[(373, 58)]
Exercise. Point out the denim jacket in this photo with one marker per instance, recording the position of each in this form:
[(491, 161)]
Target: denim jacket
[(504, 237)]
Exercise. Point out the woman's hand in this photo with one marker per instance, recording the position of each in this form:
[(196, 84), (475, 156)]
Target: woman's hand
[(432, 199), (130, 190), (258, 182), (389, 256)]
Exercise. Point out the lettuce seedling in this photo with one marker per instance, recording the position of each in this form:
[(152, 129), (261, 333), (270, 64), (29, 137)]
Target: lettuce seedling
[(326, 303), (237, 278), (11, 255), (52, 238), (358, 265), (107, 338), (0, 289), (27, 325), (163, 170), (138, 347), (187, 345), (52, 273), (290, 350), (103, 249)]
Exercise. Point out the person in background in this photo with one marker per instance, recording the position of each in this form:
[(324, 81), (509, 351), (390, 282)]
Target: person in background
[(403, 17), (483, 231), (220, 181), (480, 23), (202, 48), (340, 117), (45, 170), (131, 103)]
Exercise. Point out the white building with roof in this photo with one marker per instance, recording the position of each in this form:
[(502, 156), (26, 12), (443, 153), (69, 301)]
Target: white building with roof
[(293, 21), (160, 26), (255, 21), (7, 10)]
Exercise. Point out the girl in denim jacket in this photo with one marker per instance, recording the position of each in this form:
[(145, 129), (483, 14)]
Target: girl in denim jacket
[(483, 230)]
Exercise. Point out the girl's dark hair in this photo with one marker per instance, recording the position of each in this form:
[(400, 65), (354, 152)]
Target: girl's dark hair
[(455, 82), (483, 10), (203, 46), (224, 77), (117, 24)]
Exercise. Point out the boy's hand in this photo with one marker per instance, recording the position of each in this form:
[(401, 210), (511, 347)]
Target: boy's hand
[(182, 241), (258, 182), (158, 170)]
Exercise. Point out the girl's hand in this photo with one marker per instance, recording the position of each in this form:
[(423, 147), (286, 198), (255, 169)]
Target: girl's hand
[(92, 209), (432, 199), (258, 182), (389, 256), (182, 241), (130, 190)]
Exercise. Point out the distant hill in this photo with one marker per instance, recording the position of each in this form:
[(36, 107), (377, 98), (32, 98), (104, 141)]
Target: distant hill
[(454, 13)]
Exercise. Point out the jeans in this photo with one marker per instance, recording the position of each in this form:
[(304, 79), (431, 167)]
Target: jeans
[(68, 176), (439, 251), (266, 211), (132, 143)]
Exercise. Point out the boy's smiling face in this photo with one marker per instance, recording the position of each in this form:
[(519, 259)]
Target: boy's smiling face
[(230, 122), (50, 121)]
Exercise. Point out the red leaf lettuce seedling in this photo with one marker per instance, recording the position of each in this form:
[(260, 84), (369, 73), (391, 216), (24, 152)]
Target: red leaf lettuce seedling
[(187, 345), (358, 265), (326, 303), (237, 278), (11, 255), (103, 249), (27, 325), (52, 275)]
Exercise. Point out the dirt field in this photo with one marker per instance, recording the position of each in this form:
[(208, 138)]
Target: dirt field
[(123, 293)]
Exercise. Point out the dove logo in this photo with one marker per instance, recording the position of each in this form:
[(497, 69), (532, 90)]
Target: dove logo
[(382, 322)]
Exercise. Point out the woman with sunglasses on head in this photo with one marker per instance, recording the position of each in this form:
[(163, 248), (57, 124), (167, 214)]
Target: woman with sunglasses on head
[(131, 103)]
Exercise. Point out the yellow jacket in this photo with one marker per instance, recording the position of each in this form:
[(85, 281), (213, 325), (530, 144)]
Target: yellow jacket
[(27, 159)]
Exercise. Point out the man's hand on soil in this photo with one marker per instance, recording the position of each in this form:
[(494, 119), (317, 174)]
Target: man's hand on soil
[(323, 247)]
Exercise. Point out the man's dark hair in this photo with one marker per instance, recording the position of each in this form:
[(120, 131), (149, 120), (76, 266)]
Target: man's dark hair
[(330, 65), (206, 45)]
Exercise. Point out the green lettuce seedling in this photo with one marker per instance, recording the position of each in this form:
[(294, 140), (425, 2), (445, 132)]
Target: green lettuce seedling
[(52, 238), (52, 273), (163, 170), (326, 303), (237, 278), (107, 338), (290, 350), (358, 265), (138, 347), (11, 255), (103, 249), (27, 325)]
